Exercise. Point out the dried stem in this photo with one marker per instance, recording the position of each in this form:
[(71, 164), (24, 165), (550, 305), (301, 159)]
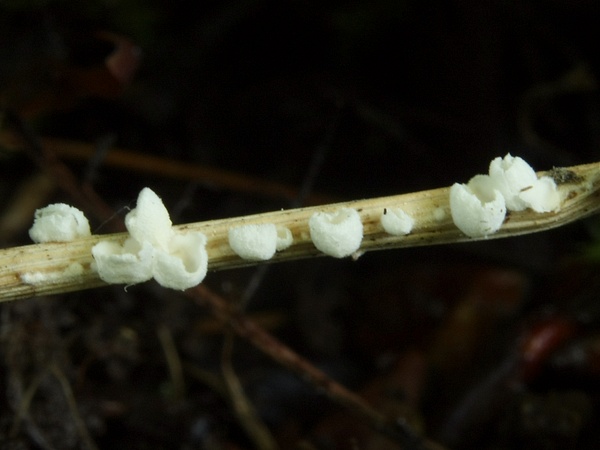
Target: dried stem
[(579, 187)]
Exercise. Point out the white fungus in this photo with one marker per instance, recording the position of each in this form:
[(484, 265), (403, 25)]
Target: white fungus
[(284, 238), (153, 250), (396, 221), (439, 214), (510, 175), (474, 215), (184, 265), (479, 208), (336, 234), (59, 223), (74, 270), (130, 263), (254, 242), (542, 196), (520, 186), (149, 221)]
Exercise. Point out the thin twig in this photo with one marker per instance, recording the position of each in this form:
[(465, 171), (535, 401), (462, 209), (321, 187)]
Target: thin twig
[(206, 377), (84, 196), (60, 256), (162, 167), (25, 403), (579, 187), (32, 192), (72, 403), (245, 412), (173, 361), (247, 329)]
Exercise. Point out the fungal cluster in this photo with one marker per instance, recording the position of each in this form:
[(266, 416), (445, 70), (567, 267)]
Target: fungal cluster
[(175, 260), (479, 207), (153, 249), (179, 260), (259, 242), (58, 223)]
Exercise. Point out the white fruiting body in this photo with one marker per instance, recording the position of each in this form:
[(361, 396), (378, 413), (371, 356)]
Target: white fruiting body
[(479, 207), (284, 238), (336, 234), (153, 250), (518, 183), (473, 215), (254, 242), (396, 221), (59, 223), (510, 175)]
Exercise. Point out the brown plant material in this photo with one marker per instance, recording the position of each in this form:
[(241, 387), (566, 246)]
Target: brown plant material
[(580, 199), (162, 167), (244, 410), (394, 428)]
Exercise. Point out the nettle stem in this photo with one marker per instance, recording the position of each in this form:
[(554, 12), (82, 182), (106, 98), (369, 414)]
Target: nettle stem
[(44, 269)]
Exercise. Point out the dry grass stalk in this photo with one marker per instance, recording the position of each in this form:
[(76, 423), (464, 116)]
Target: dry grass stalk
[(578, 185)]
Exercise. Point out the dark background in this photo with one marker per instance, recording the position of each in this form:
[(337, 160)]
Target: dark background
[(393, 97)]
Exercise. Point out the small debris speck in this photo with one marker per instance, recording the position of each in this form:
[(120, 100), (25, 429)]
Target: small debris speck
[(562, 175)]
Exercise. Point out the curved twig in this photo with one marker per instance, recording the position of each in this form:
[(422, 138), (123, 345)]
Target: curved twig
[(579, 187)]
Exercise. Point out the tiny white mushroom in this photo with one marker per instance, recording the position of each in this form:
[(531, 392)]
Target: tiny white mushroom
[(439, 214), (476, 214), (520, 186), (543, 196), (284, 238), (128, 264), (256, 242), (336, 234), (184, 265), (396, 221), (176, 261), (149, 220), (511, 175), (59, 223)]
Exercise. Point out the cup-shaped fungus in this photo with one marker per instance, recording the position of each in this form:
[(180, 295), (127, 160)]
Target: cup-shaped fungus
[(59, 223), (130, 263), (476, 212), (257, 242), (176, 261), (396, 221), (519, 184), (149, 220), (543, 195), (478, 208), (510, 175), (336, 234), (284, 238), (184, 265)]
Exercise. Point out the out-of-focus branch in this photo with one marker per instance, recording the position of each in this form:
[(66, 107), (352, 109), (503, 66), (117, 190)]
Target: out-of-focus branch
[(163, 167), (244, 327)]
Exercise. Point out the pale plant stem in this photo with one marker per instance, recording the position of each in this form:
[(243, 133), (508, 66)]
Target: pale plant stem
[(579, 187)]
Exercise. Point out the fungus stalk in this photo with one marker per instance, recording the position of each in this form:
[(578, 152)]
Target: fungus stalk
[(55, 267)]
